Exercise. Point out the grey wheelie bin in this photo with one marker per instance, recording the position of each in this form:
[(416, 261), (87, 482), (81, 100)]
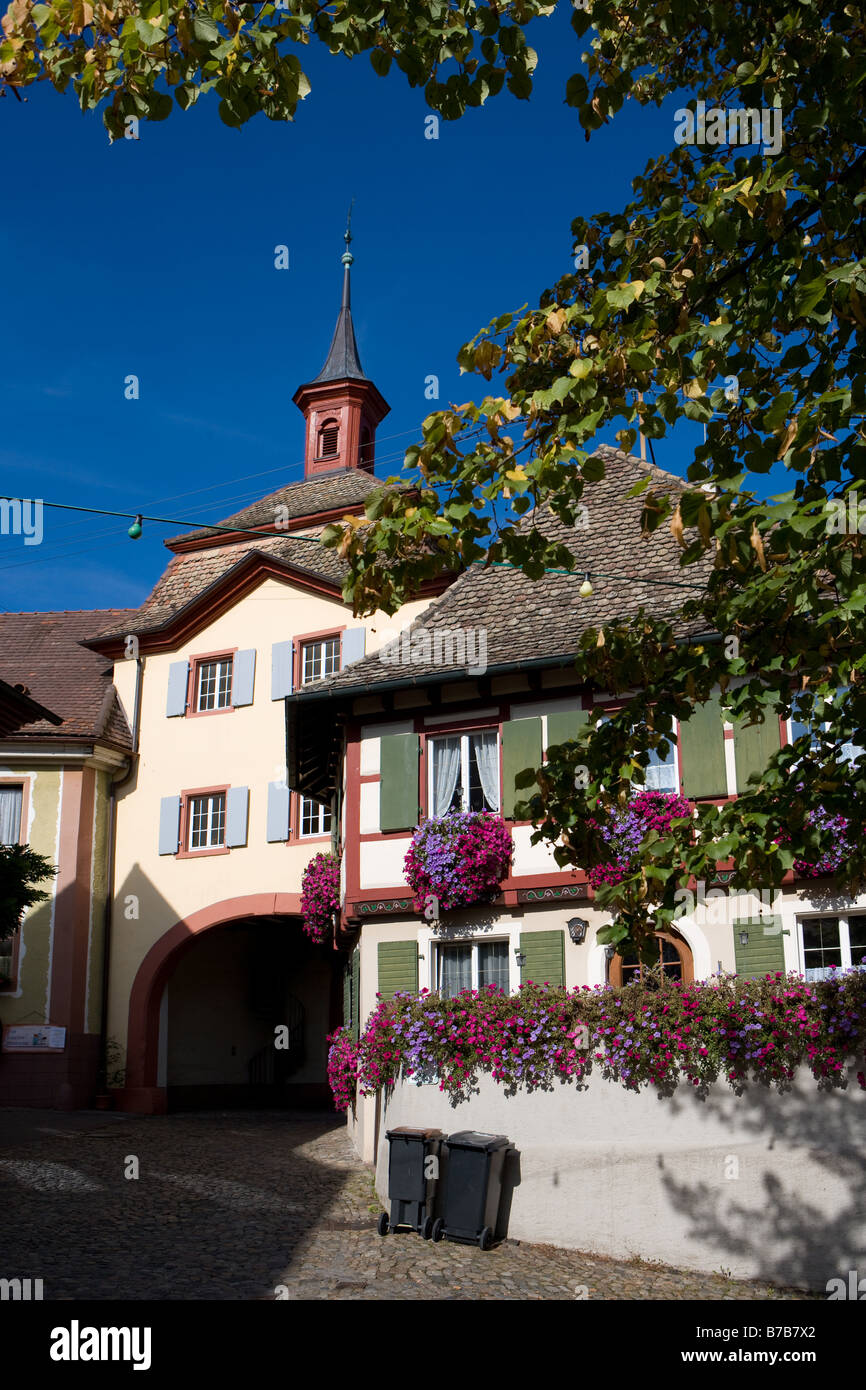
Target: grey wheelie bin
[(412, 1179), (472, 1187)]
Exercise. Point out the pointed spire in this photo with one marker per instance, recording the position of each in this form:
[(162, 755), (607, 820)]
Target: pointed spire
[(343, 360)]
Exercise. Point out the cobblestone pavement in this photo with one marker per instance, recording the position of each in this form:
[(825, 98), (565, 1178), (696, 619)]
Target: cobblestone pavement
[(234, 1205)]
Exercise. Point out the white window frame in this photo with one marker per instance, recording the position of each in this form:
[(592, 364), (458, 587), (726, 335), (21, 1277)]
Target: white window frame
[(464, 736), (219, 662), (15, 787), (673, 741), (844, 936), (430, 941), (822, 724), (321, 643), (211, 843), (323, 811)]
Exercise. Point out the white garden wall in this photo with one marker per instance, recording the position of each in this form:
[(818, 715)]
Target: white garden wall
[(765, 1185)]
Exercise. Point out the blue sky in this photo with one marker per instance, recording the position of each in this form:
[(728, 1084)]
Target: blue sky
[(156, 258)]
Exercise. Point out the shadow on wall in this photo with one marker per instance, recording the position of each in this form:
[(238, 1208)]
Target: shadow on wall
[(804, 1237)]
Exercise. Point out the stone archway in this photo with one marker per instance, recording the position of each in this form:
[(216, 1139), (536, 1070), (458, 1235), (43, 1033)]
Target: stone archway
[(142, 1094)]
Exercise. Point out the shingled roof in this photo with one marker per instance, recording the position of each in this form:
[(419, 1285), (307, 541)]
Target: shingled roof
[(191, 576), (310, 497), (541, 620), (41, 652)]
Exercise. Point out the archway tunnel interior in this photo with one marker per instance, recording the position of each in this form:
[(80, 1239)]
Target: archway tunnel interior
[(245, 1017)]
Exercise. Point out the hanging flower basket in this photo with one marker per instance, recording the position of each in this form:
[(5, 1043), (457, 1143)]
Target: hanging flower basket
[(457, 859), (320, 894), (645, 812), (834, 829)]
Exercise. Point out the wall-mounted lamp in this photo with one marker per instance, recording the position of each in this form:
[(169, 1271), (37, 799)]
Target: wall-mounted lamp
[(609, 952), (744, 938), (520, 957), (577, 929)]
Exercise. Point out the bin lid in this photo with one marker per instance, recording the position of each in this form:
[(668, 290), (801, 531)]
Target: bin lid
[(474, 1139), (407, 1132)]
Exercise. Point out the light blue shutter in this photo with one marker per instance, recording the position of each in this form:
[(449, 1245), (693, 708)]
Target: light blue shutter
[(169, 824), (278, 811), (353, 646), (243, 677), (178, 678), (281, 670), (237, 805)]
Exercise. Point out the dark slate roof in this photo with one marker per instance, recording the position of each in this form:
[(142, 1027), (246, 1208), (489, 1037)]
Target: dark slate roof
[(343, 360), (310, 497), (190, 575), (529, 620), (41, 651)]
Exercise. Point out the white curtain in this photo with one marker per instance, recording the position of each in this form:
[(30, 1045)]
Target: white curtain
[(661, 777), (10, 815), (487, 760), (456, 970), (446, 768)]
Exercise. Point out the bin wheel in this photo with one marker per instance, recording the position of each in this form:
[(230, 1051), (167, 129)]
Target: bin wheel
[(486, 1238), (427, 1228), (382, 1223), (437, 1229)]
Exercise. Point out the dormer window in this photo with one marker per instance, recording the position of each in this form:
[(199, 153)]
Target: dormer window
[(329, 438)]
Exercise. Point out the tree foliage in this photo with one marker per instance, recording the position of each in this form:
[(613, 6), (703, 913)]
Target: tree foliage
[(21, 869), (132, 57)]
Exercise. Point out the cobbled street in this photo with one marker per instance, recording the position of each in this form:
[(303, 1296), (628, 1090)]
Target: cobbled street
[(234, 1205)]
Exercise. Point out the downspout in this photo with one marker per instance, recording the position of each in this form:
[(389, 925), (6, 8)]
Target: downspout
[(102, 1078)]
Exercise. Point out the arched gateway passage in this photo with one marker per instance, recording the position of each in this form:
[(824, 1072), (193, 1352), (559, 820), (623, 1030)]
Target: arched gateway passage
[(234, 971)]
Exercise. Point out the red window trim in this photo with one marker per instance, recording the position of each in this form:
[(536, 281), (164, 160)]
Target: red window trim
[(305, 638), (192, 681), (24, 783), (185, 800), (295, 836)]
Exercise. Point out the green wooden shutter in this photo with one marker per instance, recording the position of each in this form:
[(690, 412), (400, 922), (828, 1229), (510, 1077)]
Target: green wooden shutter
[(565, 725), (398, 968), (754, 746), (347, 992), (544, 953), (765, 952), (521, 748), (399, 789), (355, 994), (702, 751)]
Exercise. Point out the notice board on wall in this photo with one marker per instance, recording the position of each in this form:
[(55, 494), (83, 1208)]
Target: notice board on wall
[(19, 1037)]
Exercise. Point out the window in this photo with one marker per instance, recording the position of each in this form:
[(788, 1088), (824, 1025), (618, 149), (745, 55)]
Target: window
[(320, 659), (213, 684), (207, 821), (11, 801), (10, 814), (831, 943), (661, 773), (472, 965), (674, 956), (464, 773), (329, 436), (798, 727), (315, 818)]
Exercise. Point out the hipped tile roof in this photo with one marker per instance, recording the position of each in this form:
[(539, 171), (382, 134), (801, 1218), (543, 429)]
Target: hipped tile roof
[(527, 619), (345, 487), (41, 651)]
